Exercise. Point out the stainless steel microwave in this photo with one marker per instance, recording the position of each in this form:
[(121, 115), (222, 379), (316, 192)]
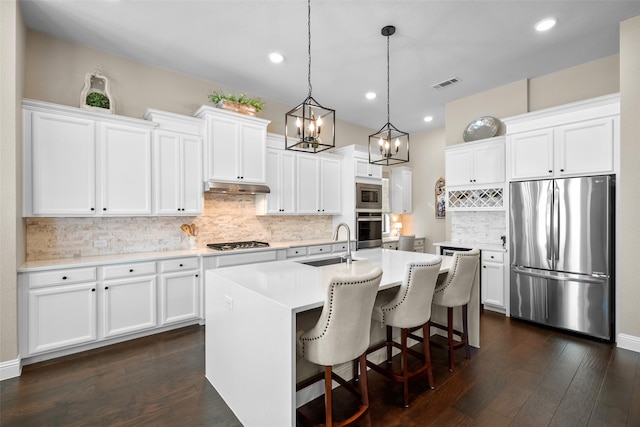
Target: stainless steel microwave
[(368, 196)]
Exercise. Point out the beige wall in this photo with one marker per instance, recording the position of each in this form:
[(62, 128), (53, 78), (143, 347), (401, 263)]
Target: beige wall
[(11, 229), (427, 161), (628, 285), (55, 71), (596, 78)]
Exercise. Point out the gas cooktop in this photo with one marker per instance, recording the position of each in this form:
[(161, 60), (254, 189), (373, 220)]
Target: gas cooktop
[(230, 246)]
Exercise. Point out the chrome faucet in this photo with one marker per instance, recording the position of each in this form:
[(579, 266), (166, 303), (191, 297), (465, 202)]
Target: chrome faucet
[(347, 256)]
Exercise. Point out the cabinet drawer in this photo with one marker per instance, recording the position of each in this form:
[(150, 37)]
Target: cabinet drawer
[(179, 264), (128, 270), (339, 247), (419, 243), (294, 252), (490, 256), (62, 277), (390, 245), (320, 249)]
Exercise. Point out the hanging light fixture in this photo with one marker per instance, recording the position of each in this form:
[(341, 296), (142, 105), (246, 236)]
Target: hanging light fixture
[(388, 146), (310, 127)]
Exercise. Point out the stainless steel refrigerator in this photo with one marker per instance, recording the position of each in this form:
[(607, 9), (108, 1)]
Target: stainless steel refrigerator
[(562, 253)]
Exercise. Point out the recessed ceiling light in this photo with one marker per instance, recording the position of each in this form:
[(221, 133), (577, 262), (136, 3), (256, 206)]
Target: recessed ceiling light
[(370, 95), (276, 57), (428, 119), (546, 24)]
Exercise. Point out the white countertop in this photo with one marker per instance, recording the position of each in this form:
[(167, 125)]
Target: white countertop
[(300, 287), (97, 260), (471, 245)]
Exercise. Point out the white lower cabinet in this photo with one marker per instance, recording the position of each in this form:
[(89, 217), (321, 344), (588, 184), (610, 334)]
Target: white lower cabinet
[(61, 316), (81, 307), (492, 279), (128, 305)]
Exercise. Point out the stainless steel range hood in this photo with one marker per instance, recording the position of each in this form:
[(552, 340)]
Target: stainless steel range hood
[(235, 188)]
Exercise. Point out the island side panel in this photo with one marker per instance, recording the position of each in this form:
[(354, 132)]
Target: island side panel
[(249, 357)]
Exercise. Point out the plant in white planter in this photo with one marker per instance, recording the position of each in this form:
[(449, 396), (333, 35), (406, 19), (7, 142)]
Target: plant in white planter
[(239, 103)]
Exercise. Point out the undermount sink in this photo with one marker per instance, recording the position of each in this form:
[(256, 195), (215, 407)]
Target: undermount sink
[(324, 261)]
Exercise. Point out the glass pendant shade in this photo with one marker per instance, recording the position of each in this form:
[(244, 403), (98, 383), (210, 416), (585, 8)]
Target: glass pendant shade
[(310, 127), (388, 146)]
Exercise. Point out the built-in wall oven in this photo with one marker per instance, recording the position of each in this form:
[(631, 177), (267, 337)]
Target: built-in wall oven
[(369, 229)]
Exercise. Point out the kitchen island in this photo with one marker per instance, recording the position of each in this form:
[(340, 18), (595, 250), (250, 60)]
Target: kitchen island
[(251, 314)]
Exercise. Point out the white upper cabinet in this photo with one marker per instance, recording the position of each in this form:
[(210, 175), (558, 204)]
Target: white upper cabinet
[(79, 163), (319, 184), (177, 149), (125, 170), (281, 179), (401, 186), (62, 168), (235, 146), (576, 139), (364, 169), (475, 163)]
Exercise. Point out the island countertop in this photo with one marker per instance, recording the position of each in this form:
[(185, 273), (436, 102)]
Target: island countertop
[(301, 287)]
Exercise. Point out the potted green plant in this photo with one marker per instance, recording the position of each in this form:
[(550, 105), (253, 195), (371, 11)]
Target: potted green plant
[(238, 103), (96, 99)]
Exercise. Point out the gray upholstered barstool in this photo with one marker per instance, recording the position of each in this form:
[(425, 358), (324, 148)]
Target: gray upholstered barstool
[(342, 335), (407, 243), (409, 309), (455, 291)]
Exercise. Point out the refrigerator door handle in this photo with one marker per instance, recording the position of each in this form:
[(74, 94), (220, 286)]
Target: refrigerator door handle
[(556, 223), (549, 222), (560, 277)]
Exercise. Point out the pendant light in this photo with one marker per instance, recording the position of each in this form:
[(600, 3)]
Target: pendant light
[(388, 146), (310, 127)]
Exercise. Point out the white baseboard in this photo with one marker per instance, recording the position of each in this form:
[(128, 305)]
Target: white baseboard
[(629, 342), (10, 369)]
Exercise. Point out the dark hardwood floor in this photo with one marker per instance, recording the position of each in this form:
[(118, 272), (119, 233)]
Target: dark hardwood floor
[(522, 376)]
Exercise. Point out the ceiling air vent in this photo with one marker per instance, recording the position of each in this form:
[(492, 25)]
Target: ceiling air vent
[(445, 83)]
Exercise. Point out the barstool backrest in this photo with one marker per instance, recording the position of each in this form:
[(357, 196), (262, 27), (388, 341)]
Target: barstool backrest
[(342, 332), (412, 304), (406, 243), (455, 289)]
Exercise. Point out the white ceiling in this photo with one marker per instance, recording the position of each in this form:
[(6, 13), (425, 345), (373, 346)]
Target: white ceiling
[(485, 44)]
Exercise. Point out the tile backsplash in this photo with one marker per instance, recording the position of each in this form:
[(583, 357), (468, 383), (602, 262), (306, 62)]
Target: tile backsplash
[(478, 226), (225, 218)]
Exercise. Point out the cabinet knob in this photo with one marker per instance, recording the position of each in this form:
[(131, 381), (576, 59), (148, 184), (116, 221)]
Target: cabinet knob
[(93, 290), (64, 277), (561, 170), (93, 209), (131, 270), (106, 287), (197, 275), (484, 266), (550, 171), (104, 209), (180, 265)]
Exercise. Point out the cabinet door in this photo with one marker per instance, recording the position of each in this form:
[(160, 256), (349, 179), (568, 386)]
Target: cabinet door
[(331, 185), (493, 284), (191, 175), (308, 170), (252, 158), (167, 173), (458, 165), (366, 170), (128, 306), (274, 181), (125, 170), (401, 191), (62, 316), (584, 148), (488, 164), (532, 154), (179, 297), (62, 166), (223, 149)]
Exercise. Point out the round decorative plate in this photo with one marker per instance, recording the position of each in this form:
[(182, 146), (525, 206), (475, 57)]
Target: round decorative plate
[(480, 128)]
